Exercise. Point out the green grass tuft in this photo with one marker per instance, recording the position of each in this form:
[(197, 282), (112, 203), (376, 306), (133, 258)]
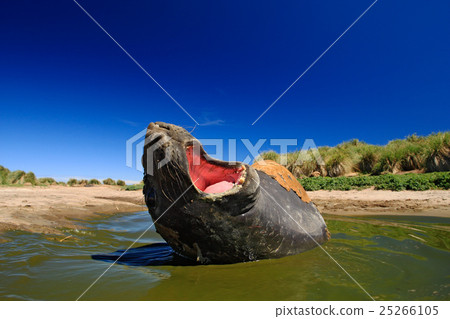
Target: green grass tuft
[(4, 173), (109, 181), (16, 177), (414, 153), (47, 181), (437, 157), (93, 182), (30, 178), (72, 182)]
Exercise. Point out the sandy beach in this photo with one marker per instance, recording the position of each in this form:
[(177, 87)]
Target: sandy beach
[(380, 202), (46, 209)]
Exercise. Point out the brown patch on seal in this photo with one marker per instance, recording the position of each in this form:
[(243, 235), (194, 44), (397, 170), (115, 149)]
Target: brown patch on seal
[(283, 177)]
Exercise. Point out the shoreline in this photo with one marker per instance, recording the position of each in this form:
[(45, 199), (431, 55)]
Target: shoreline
[(50, 208), (46, 209), (370, 202)]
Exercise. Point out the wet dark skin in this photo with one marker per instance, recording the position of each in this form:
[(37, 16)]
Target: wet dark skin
[(257, 218)]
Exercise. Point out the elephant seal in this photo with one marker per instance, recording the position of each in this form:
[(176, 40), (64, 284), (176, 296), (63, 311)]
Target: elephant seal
[(221, 212)]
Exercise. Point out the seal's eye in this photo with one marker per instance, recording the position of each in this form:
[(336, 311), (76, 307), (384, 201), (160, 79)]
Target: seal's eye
[(150, 197), (211, 177)]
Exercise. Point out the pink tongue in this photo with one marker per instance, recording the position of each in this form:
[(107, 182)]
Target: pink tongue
[(219, 187)]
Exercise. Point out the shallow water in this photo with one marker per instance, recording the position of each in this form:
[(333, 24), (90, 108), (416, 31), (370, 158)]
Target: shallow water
[(393, 258)]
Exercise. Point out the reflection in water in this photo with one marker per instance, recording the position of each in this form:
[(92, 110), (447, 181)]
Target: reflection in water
[(393, 258), (157, 254)]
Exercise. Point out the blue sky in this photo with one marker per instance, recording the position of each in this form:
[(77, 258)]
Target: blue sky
[(70, 98)]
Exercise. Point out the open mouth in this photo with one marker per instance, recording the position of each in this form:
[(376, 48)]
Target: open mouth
[(210, 177)]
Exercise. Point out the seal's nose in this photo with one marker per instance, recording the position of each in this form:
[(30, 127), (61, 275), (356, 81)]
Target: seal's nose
[(163, 125), (159, 127), (153, 126)]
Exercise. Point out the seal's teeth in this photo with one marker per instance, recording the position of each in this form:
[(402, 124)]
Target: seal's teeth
[(241, 180), (240, 169)]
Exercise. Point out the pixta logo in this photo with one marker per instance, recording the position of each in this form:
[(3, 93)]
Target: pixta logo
[(137, 144)]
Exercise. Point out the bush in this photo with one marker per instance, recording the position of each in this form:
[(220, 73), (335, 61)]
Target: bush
[(109, 181), (72, 182), (83, 182), (443, 181), (390, 182), (416, 182), (120, 182), (133, 187), (94, 182)]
